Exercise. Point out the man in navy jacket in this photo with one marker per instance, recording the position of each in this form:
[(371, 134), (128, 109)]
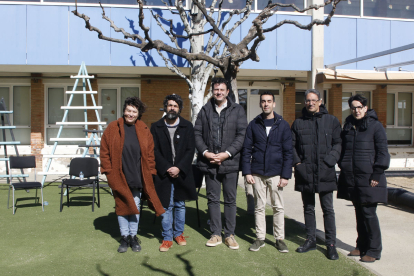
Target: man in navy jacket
[(267, 165)]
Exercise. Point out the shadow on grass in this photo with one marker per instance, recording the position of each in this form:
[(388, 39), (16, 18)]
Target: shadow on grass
[(109, 224), (19, 204)]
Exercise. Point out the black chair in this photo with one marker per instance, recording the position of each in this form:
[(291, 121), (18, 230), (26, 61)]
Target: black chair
[(90, 168), (23, 162)]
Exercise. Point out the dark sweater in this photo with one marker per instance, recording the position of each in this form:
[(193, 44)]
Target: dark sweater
[(131, 158)]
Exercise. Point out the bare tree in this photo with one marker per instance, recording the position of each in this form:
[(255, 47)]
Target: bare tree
[(218, 52)]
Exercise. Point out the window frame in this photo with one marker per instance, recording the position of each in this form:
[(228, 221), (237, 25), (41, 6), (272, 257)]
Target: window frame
[(118, 88), (396, 90), (10, 106)]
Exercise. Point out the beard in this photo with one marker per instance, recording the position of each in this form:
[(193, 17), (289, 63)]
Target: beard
[(172, 115)]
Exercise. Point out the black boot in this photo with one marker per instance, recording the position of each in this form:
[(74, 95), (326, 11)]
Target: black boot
[(307, 246), (123, 247), (134, 243), (331, 254)]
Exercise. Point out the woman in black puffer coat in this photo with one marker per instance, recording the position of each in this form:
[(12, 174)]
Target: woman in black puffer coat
[(362, 180)]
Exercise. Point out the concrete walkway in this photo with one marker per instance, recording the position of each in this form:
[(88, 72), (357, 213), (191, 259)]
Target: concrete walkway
[(397, 228)]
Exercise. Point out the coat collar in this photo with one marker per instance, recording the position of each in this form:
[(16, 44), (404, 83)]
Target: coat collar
[(161, 122)]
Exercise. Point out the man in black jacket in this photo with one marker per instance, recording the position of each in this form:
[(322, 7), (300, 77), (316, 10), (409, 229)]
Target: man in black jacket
[(316, 140), (267, 166), (174, 152), (219, 134)]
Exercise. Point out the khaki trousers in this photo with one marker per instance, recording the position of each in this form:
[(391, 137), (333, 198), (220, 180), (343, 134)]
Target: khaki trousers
[(261, 186)]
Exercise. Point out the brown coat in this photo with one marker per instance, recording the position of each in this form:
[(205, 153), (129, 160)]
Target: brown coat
[(111, 164)]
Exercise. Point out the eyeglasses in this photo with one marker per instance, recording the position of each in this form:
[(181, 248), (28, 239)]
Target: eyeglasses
[(355, 108), (311, 101)]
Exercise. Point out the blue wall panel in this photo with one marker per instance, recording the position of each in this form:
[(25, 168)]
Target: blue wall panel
[(158, 34), (373, 36), (13, 46), (293, 44), (85, 45), (47, 35), (122, 54), (402, 33), (340, 42), (267, 50)]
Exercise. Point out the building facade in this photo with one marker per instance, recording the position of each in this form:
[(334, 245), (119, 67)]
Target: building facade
[(44, 43)]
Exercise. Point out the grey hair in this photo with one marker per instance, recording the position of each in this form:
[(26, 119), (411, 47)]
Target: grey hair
[(314, 91)]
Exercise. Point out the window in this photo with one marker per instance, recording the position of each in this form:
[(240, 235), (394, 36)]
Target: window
[(57, 97), (348, 7), (346, 111), (21, 117), (112, 101), (389, 9), (299, 103), (261, 4), (399, 118), (243, 98)]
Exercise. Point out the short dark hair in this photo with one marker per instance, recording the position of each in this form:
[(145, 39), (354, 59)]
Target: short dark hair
[(359, 98), (314, 91), (267, 93), (175, 98), (215, 81), (135, 101)]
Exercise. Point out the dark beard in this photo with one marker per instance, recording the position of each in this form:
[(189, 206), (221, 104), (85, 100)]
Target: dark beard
[(172, 115)]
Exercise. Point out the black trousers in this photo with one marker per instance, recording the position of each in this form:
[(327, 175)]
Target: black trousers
[(213, 187), (368, 228), (326, 200)]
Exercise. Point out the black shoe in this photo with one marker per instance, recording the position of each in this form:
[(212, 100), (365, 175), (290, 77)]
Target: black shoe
[(307, 246), (134, 243), (331, 254), (123, 247)]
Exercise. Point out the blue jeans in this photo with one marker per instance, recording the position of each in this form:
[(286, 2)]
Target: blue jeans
[(129, 224), (167, 218)]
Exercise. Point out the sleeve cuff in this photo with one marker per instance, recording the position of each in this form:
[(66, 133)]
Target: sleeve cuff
[(228, 153), (205, 152)]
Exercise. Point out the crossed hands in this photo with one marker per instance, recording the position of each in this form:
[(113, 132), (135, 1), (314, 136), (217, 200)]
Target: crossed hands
[(282, 182), (173, 172), (216, 158)]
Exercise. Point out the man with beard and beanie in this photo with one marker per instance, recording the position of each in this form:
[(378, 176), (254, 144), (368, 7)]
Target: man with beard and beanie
[(219, 132), (316, 138), (174, 152)]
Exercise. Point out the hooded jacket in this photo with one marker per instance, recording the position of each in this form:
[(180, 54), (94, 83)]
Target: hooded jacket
[(268, 155), (112, 143), (232, 136), (364, 158), (316, 142)]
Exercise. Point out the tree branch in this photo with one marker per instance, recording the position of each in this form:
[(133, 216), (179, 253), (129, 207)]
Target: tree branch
[(212, 23), (173, 68), (297, 24)]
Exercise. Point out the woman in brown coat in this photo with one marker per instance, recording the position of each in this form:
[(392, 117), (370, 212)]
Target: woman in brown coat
[(127, 160)]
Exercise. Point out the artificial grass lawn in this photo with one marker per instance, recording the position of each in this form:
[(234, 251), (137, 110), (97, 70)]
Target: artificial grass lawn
[(79, 242)]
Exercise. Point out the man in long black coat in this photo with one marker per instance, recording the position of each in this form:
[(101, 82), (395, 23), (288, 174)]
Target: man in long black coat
[(316, 140), (174, 149)]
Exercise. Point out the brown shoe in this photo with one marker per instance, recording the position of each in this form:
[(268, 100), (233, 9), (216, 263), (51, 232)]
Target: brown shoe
[(231, 242), (367, 259), (180, 240), (214, 240), (355, 253), (165, 246)]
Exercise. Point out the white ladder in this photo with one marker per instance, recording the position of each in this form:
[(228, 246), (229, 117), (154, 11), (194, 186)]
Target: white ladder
[(92, 141)]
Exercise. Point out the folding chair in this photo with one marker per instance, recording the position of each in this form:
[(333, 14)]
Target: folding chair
[(90, 168), (23, 162)]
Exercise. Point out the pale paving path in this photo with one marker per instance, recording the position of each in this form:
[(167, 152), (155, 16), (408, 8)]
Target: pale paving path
[(397, 228)]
